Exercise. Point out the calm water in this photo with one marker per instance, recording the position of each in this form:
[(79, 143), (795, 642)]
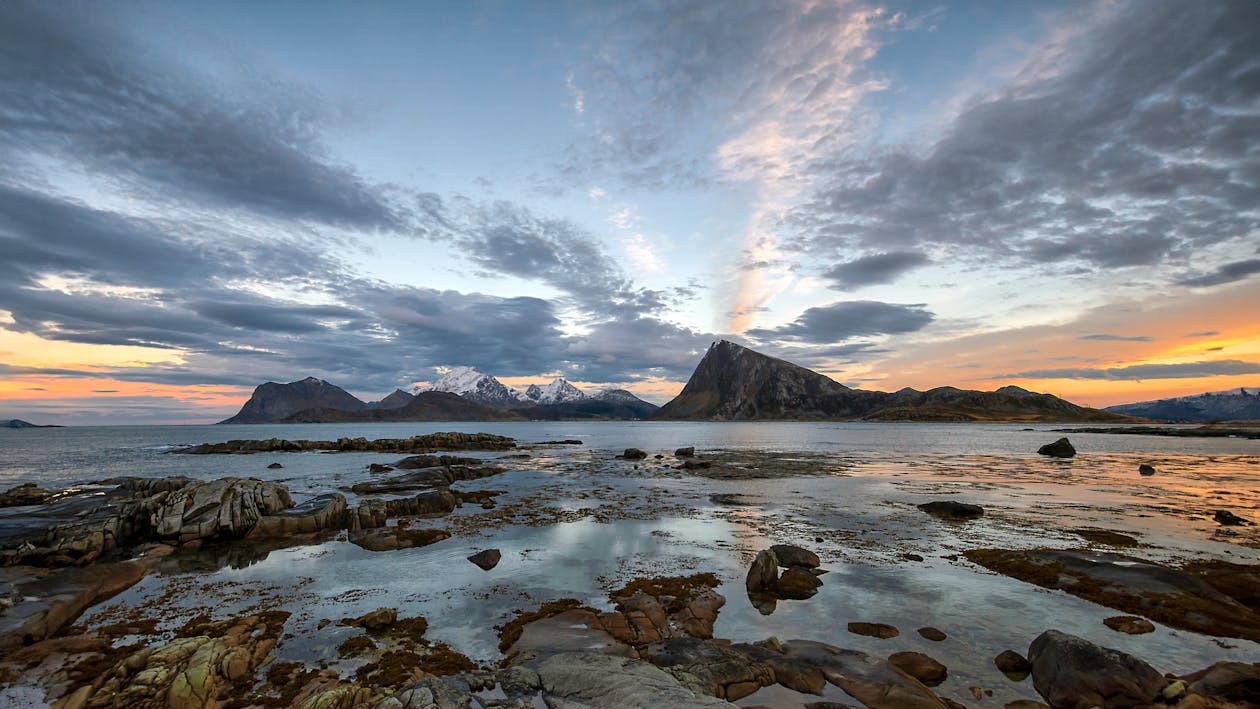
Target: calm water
[(588, 524)]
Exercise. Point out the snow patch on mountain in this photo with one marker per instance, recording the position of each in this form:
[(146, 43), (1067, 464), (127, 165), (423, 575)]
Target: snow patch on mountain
[(478, 387), (1242, 403), (559, 391)]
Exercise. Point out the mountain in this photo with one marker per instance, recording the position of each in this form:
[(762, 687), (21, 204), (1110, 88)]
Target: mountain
[(396, 400), (1239, 404), (480, 388), (558, 391), (271, 401), (425, 406), (607, 404), (19, 423), (734, 383)]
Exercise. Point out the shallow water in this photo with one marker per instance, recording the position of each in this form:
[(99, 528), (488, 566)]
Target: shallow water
[(574, 522)]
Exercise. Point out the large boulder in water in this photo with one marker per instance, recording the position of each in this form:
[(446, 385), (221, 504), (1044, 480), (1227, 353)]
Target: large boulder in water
[(951, 509), (1073, 673), (318, 513), (24, 494), (1061, 448), (226, 508)]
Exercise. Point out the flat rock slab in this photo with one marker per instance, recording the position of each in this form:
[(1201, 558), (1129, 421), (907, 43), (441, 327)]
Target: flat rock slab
[(51, 600), (592, 680), (1170, 596), (1072, 672), (872, 681)]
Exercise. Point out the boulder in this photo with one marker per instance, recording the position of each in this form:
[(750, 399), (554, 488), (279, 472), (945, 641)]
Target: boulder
[(44, 602), (316, 514), (933, 634), (633, 454), (950, 509), (1234, 681), (763, 574), (1012, 664), (274, 466), (379, 468), (1146, 469), (395, 538), (1129, 624), (1228, 519), (685, 452), (874, 630), (23, 495), (1073, 673), (378, 619), (919, 666), (224, 508), (789, 555), (798, 584), (725, 672), (1061, 448), (874, 682), (582, 679), (486, 559), (433, 503)]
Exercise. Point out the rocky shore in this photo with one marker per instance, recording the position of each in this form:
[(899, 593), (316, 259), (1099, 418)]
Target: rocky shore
[(649, 642)]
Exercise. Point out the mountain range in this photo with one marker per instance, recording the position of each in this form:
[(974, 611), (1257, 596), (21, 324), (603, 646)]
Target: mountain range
[(731, 383), (1241, 404), (734, 383)]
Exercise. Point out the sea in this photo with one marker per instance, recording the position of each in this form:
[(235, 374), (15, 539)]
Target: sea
[(575, 521)]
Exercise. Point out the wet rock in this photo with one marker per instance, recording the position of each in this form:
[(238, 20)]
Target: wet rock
[(933, 634), (486, 559), (949, 509), (45, 602), (685, 452), (789, 555), (23, 495), (872, 681), (1129, 624), (210, 664), (378, 619), (919, 666), (1233, 681), (697, 464), (433, 503), (316, 514), (1013, 665), (274, 466), (1072, 672), (798, 584), (1165, 595), (379, 468), (763, 574), (565, 442), (418, 462), (428, 443), (1026, 704), (633, 454), (575, 629), (1146, 469), (395, 538), (732, 500), (1229, 519), (593, 680), (1105, 536), (874, 630), (1061, 448), (791, 672), (726, 673), (425, 478), (224, 508)]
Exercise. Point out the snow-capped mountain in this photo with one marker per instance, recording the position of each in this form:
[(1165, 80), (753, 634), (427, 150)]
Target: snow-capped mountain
[(479, 387), (1239, 404), (558, 391)]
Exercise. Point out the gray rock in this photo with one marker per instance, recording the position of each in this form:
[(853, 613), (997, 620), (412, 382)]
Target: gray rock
[(1236, 681), (579, 679), (1146, 469), (685, 452), (486, 559), (633, 454), (224, 508), (1229, 519), (872, 681), (763, 574), (1073, 673), (1061, 448), (789, 555), (950, 509), (318, 513)]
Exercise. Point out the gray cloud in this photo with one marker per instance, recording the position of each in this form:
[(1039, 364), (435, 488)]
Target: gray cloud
[(846, 320), (874, 269), (73, 85), (1187, 370), (1107, 337), (1225, 273), (1206, 333), (1128, 148)]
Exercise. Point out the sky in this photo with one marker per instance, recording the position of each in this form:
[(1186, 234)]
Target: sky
[(199, 197)]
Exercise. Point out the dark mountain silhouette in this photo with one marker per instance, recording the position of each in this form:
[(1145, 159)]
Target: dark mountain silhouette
[(425, 406), (608, 404), (19, 423), (272, 402), (1241, 404), (734, 383), (395, 400)]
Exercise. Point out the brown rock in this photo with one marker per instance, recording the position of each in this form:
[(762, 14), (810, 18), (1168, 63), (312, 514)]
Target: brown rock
[(1061, 448), (1072, 672), (1129, 624), (1013, 664), (790, 555), (764, 572), (24, 494), (797, 583), (633, 454), (487, 559), (685, 452), (919, 666), (378, 619), (932, 634), (874, 630)]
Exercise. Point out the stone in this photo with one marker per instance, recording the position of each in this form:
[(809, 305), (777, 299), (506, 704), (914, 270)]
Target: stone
[(919, 666), (796, 583), (379, 468), (427, 443), (950, 509), (486, 559), (763, 574), (633, 454), (1026, 704), (433, 503), (225, 508), (1234, 681), (319, 513), (582, 679), (274, 466), (45, 602), (395, 538), (933, 634), (1130, 624), (1069, 671), (1012, 664), (685, 452), (378, 619), (1228, 519), (789, 555), (697, 464), (874, 630), (23, 495), (726, 673), (1146, 469), (1061, 448), (872, 681)]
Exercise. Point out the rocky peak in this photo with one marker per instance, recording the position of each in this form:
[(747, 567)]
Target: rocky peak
[(558, 391), (272, 401)]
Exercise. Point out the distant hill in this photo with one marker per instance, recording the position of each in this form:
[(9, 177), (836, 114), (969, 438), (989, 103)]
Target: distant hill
[(425, 406), (272, 402), (19, 423), (607, 404), (734, 383), (397, 399), (1241, 404)]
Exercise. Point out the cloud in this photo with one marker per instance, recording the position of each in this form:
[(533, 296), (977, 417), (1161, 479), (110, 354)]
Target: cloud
[(875, 269), (1106, 337), (845, 320), (75, 88), (636, 348), (1205, 333), (1124, 145), (1225, 273), (1136, 372)]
